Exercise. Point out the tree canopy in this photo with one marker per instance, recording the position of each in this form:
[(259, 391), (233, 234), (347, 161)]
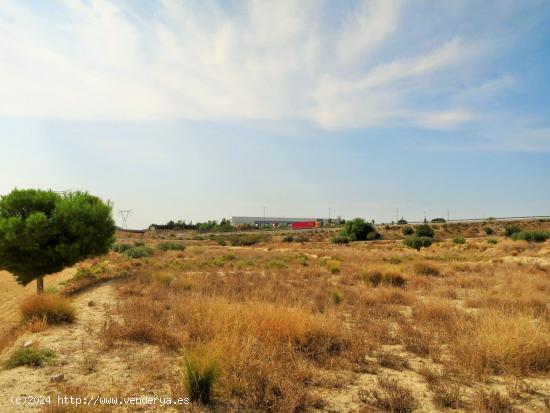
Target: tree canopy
[(42, 232), (359, 230)]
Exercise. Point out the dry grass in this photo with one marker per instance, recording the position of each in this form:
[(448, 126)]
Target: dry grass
[(493, 343), (390, 397), (291, 324), (51, 307), (492, 401)]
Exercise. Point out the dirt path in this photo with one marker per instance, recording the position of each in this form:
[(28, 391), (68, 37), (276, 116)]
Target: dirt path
[(12, 294)]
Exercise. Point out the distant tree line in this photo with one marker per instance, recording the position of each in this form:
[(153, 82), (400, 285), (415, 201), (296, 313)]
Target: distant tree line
[(212, 225)]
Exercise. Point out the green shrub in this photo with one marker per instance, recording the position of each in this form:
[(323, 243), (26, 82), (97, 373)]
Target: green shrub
[(511, 230), (418, 242), (201, 375), (340, 239), (408, 230), (30, 356), (138, 252), (139, 243), (359, 230), (492, 241), (425, 230), (531, 236), (489, 230), (459, 239), (121, 247), (288, 238), (52, 307), (170, 246)]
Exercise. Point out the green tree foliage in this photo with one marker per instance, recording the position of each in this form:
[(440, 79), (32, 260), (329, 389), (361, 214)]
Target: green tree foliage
[(359, 230), (424, 230), (42, 232)]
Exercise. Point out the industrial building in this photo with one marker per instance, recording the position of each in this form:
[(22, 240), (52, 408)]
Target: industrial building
[(279, 221)]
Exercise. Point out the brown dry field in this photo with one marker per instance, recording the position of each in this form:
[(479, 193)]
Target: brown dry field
[(298, 327)]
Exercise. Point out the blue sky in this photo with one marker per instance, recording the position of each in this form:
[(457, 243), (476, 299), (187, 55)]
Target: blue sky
[(199, 110)]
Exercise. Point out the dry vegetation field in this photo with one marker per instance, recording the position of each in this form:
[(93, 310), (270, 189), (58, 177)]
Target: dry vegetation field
[(307, 326)]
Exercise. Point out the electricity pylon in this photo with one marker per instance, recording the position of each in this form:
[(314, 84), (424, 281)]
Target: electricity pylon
[(124, 213)]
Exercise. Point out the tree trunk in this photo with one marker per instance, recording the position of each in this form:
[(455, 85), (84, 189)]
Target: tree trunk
[(40, 285)]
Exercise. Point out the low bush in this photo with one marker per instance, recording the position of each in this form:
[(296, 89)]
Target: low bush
[(425, 230), (288, 238), (138, 252), (408, 230), (511, 230), (170, 246), (340, 239), (30, 356), (51, 307), (489, 230), (459, 239), (492, 241), (531, 236), (418, 242), (201, 374), (139, 243)]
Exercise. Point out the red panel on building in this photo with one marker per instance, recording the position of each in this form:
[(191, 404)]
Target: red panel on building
[(301, 225)]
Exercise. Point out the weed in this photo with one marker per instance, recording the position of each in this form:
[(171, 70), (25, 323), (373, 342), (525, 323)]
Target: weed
[(30, 356), (201, 374)]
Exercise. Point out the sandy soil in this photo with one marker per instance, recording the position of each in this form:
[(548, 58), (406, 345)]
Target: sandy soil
[(89, 368), (12, 294)]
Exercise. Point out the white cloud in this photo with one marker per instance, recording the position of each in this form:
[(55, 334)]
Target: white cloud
[(272, 60)]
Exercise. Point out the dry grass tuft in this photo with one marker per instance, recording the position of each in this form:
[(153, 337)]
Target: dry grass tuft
[(447, 395), (54, 308), (389, 397), (423, 268), (492, 402)]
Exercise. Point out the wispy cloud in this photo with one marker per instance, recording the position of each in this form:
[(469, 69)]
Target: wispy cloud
[(260, 60)]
